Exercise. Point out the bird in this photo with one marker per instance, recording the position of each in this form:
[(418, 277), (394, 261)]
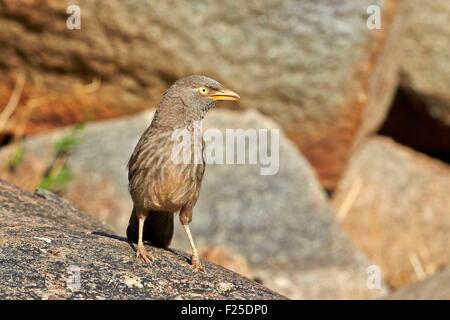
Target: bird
[(160, 187)]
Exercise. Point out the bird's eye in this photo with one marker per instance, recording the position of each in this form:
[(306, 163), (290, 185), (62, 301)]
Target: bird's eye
[(203, 90)]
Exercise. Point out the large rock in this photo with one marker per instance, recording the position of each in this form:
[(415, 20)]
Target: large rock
[(425, 54), (436, 287), (393, 202), (50, 250), (313, 66), (280, 223)]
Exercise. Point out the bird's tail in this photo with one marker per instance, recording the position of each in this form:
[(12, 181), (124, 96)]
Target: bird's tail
[(158, 228)]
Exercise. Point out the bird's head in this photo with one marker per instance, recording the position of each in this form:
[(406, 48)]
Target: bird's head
[(199, 94)]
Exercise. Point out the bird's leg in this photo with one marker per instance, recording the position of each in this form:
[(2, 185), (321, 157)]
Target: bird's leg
[(140, 249), (185, 219), (196, 264)]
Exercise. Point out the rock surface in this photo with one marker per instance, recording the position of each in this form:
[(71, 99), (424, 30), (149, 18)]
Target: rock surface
[(50, 250), (281, 224), (313, 66), (393, 202), (437, 287), (425, 54)]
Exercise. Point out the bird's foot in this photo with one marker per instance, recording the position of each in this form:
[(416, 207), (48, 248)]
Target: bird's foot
[(197, 264), (143, 254)]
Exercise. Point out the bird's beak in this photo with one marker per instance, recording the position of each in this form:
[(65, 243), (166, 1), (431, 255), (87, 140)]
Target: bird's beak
[(225, 95)]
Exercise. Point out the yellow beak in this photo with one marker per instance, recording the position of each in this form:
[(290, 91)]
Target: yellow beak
[(225, 95)]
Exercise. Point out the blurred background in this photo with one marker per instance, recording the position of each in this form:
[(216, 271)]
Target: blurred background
[(365, 113)]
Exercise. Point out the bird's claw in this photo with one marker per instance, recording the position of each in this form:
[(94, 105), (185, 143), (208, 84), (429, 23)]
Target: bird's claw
[(143, 254), (197, 265)]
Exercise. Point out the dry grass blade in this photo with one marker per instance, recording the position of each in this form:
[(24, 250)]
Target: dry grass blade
[(13, 101), (349, 199), (417, 265)]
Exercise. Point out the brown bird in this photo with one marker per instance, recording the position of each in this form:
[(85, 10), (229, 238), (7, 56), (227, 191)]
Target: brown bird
[(159, 186)]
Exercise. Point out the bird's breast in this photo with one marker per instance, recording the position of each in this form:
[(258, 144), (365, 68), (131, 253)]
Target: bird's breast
[(174, 187), (159, 181)]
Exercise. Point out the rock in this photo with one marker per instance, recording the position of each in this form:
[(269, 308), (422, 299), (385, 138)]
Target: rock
[(85, 261), (281, 224), (425, 54), (313, 66), (393, 203), (436, 287)]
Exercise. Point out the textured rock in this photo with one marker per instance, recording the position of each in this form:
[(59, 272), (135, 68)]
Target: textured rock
[(393, 203), (437, 287), (425, 54), (50, 250), (281, 224), (313, 66)]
